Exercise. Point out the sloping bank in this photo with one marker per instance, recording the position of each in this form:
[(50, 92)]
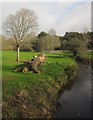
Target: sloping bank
[(36, 96)]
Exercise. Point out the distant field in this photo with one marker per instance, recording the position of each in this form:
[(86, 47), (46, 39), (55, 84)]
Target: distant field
[(35, 84)]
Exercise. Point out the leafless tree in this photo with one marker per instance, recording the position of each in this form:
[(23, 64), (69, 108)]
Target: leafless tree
[(21, 24), (52, 32), (48, 43)]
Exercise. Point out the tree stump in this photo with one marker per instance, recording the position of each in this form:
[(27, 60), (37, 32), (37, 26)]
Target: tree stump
[(33, 64)]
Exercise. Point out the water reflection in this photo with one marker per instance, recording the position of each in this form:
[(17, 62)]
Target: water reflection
[(76, 102)]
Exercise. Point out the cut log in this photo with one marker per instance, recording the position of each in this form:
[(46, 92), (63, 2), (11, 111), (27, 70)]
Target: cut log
[(33, 64)]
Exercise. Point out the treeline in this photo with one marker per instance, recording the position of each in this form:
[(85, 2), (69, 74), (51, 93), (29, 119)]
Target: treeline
[(50, 41), (71, 37)]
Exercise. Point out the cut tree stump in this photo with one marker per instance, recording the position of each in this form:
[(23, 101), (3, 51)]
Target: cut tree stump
[(33, 64)]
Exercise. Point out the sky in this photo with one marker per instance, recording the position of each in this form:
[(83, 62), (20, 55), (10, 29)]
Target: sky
[(71, 15)]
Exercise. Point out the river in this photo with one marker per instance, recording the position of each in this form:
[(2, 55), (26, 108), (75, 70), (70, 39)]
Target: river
[(76, 102)]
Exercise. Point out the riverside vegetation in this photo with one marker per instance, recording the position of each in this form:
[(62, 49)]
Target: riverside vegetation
[(31, 95)]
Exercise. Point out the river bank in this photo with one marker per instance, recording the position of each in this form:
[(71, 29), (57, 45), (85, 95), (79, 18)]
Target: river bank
[(76, 101), (31, 95)]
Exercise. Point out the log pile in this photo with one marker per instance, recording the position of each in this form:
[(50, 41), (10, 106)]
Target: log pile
[(33, 64)]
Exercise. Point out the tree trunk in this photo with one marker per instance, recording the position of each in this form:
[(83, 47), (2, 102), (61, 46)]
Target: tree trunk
[(18, 53)]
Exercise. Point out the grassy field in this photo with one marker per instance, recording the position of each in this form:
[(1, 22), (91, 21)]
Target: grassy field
[(36, 93)]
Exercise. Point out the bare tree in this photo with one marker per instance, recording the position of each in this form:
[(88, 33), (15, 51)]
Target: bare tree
[(84, 46), (52, 32), (48, 43), (20, 25)]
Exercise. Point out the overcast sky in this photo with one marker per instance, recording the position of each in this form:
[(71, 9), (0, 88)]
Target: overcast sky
[(61, 16)]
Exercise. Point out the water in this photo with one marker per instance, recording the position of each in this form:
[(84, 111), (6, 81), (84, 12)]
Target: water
[(76, 102)]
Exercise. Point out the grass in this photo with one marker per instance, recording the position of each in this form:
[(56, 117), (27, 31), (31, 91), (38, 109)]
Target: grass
[(56, 72), (89, 55)]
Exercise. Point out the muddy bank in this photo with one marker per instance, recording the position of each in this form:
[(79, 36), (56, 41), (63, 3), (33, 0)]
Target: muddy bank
[(76, 101)]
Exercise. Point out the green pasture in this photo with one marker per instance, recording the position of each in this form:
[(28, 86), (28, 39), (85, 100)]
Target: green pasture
[(12, 79)]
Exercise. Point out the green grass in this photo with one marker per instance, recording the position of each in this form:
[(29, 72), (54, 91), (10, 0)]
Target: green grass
[(54, 73), (89, 55)]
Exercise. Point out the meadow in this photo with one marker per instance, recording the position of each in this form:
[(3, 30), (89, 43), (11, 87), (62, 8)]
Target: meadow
[(36, 93)]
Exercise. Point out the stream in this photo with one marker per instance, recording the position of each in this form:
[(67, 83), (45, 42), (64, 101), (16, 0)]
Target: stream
[(76, 102)]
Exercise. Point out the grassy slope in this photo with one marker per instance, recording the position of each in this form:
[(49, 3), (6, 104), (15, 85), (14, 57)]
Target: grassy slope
[(41, 88)]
